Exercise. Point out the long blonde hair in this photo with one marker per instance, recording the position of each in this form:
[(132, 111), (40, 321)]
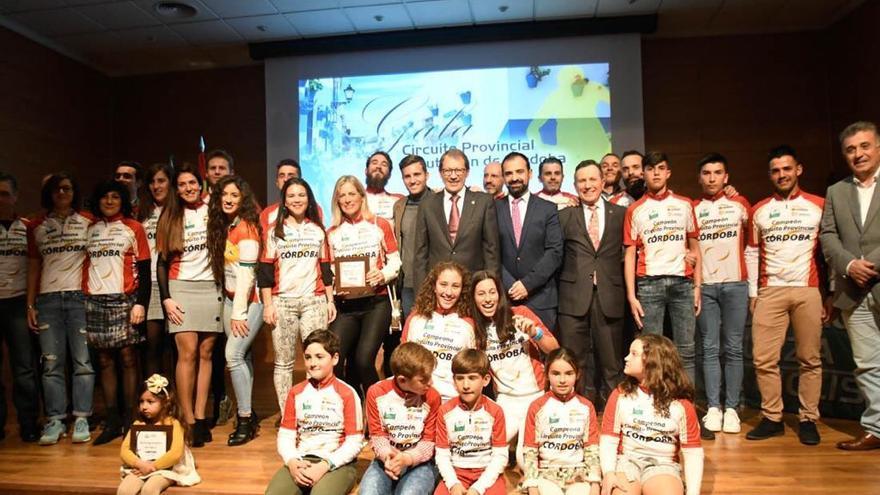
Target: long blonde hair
[(365, 208)]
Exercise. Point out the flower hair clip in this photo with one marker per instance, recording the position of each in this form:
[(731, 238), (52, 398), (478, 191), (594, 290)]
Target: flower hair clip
[(157, 383)]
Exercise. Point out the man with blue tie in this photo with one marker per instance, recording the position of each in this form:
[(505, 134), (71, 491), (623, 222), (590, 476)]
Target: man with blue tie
[(530, 241)]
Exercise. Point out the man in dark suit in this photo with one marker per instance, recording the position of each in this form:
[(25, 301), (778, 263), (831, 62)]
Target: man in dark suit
[(530, 240), (591, 290), (457, 224)]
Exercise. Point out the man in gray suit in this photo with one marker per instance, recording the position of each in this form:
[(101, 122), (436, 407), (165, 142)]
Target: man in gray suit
[(591, 291), (457, 224), (850, 239)]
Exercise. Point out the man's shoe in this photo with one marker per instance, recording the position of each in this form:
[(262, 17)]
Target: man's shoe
[(865, 442), (766, 429), (807, 433), (112, 429), (705, 433), (713, 418), (52, 431), (29, 432), (731, 421), (80, 431)]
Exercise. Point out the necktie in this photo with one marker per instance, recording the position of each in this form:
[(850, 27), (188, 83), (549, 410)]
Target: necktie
[(453, 217), (517, 223), (593, 229)]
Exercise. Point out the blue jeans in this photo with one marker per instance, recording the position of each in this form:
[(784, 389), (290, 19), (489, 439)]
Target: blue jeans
[(675, 294), (239, 359), (416, 480), (727, 302), (407, 299), (864, 337), (22, 362), (62, 318)]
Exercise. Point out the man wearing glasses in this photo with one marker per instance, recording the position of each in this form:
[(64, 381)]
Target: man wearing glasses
[(456, 225)]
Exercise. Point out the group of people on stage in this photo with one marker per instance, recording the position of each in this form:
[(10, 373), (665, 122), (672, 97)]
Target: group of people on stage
[(462, 289)]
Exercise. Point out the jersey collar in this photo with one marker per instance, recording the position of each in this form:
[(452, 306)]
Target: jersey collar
[(659, 197), (794, 194)]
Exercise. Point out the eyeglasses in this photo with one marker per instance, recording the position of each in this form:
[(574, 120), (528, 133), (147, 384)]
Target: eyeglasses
[(64, 189), (450, 171)]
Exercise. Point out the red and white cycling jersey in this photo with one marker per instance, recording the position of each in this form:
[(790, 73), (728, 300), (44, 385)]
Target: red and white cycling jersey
[(13, 258), (297, 259), (194, 263), (61, 245), (516, 363), (444, 335), (381, 203), (621, 198), (659, 226), (324, 420), (242, 251), (561, 429), (787, 235), (150, 223), (388, 415), (723, 224), (640, 431), (114, 248), (561, 198), (470, 435), (374, 239)]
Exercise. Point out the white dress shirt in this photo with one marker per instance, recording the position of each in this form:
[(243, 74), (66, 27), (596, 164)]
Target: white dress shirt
[(447, 203), (523, 204)]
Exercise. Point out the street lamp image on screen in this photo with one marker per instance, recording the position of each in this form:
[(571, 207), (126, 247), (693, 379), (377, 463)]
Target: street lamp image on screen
[(539, 111)]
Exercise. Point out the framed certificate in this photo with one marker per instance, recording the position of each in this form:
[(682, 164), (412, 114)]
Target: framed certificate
[(150, 442), (351, 277)]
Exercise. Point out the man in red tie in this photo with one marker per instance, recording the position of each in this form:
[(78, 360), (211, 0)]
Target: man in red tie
[(530, 241), (591, 291)]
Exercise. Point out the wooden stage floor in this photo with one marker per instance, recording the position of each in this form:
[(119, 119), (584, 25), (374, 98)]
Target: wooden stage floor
[(733, 465)]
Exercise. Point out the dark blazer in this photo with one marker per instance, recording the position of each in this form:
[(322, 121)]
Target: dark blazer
[(475, 246), (537, 258), (580, 260)]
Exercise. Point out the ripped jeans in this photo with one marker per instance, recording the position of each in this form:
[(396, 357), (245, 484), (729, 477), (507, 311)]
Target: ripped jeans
[(62, 319)]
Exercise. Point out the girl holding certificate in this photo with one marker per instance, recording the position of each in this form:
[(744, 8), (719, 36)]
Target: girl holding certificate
[(154, 452), (364, 310)]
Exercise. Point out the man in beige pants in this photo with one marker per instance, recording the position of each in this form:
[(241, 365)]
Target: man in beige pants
[(784, 288)]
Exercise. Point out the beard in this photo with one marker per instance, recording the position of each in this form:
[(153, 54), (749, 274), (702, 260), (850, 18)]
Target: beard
[(377, 182), (636, 188)]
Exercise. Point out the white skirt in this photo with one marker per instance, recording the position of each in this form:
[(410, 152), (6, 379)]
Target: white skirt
[(183, 473)]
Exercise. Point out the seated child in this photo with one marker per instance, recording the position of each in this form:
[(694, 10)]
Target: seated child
[(321, 434), (471, 449), (648, 419), (561, 446), (157, 405), (402, 417)]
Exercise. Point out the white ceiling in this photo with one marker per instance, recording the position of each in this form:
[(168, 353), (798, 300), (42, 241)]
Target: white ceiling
[(121, 37)]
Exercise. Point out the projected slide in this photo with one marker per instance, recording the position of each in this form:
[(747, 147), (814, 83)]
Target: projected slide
[(540, 111)]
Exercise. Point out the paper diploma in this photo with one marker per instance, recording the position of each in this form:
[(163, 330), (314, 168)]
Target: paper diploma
[(352, 274), (151, 445)]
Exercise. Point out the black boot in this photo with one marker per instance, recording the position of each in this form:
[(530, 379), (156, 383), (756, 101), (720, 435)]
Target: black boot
[(201, 434), (112, 428), (245, 430)]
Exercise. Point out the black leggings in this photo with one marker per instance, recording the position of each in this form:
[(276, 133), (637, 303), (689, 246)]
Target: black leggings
[(361, 325)]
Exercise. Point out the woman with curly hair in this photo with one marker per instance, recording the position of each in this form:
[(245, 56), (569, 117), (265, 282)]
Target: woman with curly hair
[(234, 235), (440, 321), (649, 417)]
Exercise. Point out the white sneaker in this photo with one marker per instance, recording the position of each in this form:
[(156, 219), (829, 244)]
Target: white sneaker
[(731, 421), (712, 419)]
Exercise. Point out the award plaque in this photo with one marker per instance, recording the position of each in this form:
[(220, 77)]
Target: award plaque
[(351, 277), (150, 442)]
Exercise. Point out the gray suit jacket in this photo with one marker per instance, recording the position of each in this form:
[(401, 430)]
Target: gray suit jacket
[(475, 246), (844, 239)]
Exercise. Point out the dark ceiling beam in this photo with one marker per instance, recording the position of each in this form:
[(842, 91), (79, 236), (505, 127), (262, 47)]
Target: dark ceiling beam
[(643, 24)]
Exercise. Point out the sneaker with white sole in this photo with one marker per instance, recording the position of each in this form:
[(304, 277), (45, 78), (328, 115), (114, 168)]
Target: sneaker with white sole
[(52, 431), (712, 419), (731, 421), (81, 431)]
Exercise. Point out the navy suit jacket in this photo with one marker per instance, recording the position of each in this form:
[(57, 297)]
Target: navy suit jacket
[(536, 260)]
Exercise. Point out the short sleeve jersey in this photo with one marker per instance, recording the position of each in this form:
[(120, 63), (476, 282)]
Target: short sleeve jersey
[(723, 224), (13, 258), (561, 199), (115, 246), (444, 335), (787, 233), (242, 250), (659, 226), (643, 432), (388, 415), (516, 363), (560, 429), (297, 259), (194, 263), (322, 416), (471, 434), (60, 243), (371, 238)]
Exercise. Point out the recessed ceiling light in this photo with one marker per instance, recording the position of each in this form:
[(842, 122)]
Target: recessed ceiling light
[(261, 28), (379, 18), (175, 10), (503, 8)]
